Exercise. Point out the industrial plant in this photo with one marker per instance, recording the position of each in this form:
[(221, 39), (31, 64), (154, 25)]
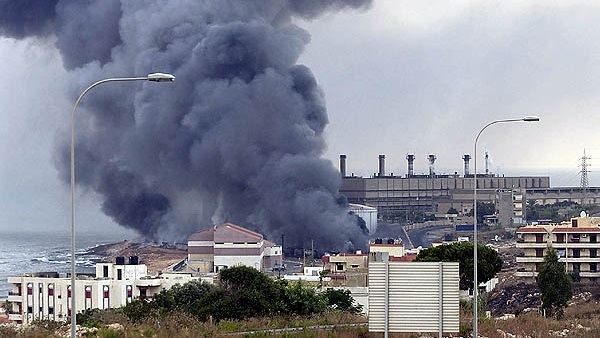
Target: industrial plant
[(396, 197)]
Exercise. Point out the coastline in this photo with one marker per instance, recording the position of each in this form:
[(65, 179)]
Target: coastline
[(157, 258)]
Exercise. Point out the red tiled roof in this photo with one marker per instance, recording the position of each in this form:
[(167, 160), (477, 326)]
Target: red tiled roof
[(532, 229), (227, 232), (405, 258), (204, 235)]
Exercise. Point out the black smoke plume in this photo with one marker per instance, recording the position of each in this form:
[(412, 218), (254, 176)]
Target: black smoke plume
[(238, 136)]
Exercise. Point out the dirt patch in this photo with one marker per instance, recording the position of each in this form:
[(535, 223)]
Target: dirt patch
[(158, 258)]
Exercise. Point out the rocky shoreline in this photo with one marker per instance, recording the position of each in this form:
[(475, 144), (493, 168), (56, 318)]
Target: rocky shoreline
[(157, 257)]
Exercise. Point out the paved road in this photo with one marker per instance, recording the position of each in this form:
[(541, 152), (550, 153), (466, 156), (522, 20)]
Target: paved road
[(421, 237)]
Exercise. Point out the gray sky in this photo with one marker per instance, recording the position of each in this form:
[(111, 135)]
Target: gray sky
[(406, 76)]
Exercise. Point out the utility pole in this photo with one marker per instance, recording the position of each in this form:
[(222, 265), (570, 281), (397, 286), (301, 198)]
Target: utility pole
[(584, 177)]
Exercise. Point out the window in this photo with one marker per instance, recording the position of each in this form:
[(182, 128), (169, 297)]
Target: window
[(50, 310), (539, 238), (593, 239), (593, 253), (105, 291), (560, 238), (69, 291), (50, 289), (574, 223), (105, 271), (30, 288), (576, 267), (593, 267), (339, 267), (129, 290), (30, 309), (539, 252), (119, 274), (576, 253), (88, 292)]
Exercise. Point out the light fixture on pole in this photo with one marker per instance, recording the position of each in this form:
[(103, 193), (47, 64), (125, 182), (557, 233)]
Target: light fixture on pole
[(154, 77), (475, 284)]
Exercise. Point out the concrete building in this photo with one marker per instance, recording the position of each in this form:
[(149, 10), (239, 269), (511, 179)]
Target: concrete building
[(393, 194), (577, 243), (510, 207), (228, 245), (47, 296)]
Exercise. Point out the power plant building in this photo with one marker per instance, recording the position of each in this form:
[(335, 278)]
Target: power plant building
[(433, 192)]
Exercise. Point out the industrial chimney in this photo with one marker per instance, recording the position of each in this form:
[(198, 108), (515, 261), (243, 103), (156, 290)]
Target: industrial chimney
[(487, 163), (466, 158), (381, 165), (431, 158), (343, 165), (411, 159)]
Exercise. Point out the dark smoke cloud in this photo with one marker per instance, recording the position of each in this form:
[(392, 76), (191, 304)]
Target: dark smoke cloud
[(238, 136)]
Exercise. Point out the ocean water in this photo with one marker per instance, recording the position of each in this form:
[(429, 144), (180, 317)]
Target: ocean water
[(47, 251)]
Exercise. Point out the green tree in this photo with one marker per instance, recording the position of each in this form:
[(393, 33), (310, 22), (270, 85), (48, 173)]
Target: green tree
[(341, 300), (252, 293), (489, 262), (555, 284), (484, 209)]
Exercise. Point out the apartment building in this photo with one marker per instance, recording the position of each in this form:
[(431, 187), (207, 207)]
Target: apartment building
[(47, 295), (577, 244)]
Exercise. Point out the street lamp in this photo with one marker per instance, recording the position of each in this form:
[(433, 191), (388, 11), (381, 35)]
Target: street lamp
[(476, 285), (154, 77)]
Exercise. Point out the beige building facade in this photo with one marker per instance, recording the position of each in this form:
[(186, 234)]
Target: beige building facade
[(577, 243)]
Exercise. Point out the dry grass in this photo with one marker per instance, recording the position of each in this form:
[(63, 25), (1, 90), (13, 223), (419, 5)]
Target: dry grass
[(581, 319)]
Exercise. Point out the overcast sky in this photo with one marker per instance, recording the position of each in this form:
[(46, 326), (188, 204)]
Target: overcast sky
[(406, 76)]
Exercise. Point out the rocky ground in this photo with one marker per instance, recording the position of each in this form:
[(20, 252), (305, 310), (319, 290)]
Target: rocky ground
[(158, 258)]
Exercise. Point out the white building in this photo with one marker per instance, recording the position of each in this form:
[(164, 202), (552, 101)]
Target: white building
[(47, 296), (367, 213)]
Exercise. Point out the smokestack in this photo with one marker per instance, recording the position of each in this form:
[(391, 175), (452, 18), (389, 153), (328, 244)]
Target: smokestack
[(431, 158), (343, 165), (411, 159), (466, 158), (381, 165), (487, 163), (169, 162)]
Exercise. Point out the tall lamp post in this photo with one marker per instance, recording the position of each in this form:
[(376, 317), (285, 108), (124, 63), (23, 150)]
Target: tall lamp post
[(154, 77), (475, 284)]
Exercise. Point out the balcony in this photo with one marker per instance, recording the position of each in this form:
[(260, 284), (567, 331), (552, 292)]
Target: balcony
[(15, 316), (588, 274), (148, 282), (532, 245), (14, 297), (530, 259)]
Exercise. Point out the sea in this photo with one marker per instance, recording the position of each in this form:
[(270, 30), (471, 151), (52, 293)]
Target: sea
[(24, 251)]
